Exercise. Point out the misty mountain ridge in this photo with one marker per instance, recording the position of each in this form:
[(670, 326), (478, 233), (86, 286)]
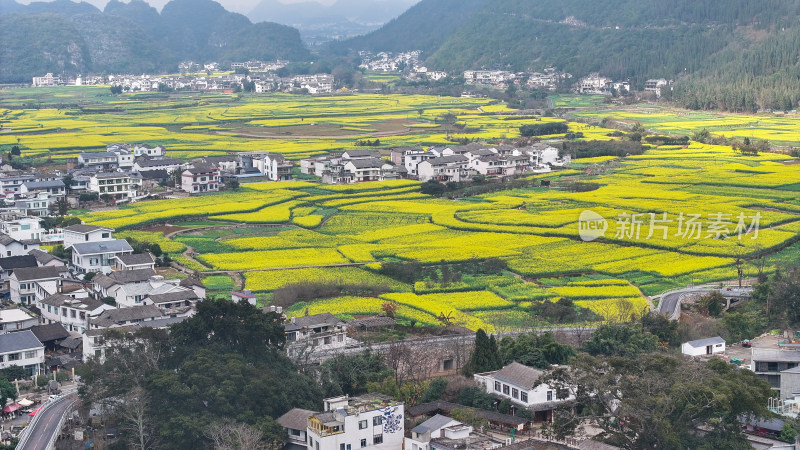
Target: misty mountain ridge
[(77, 38), (342, 18)]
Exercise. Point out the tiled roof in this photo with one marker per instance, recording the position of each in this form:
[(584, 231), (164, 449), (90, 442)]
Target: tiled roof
[(36, 273), (18, 340)]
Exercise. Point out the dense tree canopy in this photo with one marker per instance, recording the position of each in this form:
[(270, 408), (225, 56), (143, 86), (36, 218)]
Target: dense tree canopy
[(224, 363), (657, 400)]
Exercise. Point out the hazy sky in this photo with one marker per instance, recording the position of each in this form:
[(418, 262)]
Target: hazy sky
[(240, 6)]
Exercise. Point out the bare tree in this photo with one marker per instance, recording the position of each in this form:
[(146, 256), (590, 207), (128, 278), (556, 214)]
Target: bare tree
[(135, 419), (228, 435)]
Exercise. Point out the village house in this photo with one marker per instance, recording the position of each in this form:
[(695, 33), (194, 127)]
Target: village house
[(83, 233), (134, 261), (703, 347), (144, 164), (23, 228), (26, 283), (15, 319), (275, 167), (520, 384), (72, 313), (36, 205), (121, 317), (98, 256), (227, 164), (13, 247), (105, 161), (200, 178), (23, 349), (316, 333), (117, 185), (8, 264), (150, 151), (444, 168), (369, 421), (46, 259), (55, 188), (11, 184), (771, 363)]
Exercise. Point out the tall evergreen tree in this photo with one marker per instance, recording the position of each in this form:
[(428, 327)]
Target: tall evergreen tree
[(485, 357)]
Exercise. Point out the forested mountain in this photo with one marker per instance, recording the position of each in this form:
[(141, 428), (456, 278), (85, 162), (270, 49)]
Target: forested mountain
[(76, 38), (730, 54)]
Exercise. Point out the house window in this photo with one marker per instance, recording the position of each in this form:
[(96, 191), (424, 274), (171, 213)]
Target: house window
[(362, 424), (505, 389), (14, 356), (377, 439), (377, 420), (515, 393), (341, 447), (447, 364), (363, 443), (549, 396), (316, 341), (341, 338), (523, 396), (497, 386), (31, 354)]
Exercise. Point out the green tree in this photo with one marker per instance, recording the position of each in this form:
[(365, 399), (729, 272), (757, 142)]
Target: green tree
[(485, 357), (657, 400), (623, 339), (7, 390), (350, 374), (540, 351)]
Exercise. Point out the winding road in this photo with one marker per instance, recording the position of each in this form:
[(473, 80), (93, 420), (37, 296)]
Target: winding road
[(41, 433), (670, 301)]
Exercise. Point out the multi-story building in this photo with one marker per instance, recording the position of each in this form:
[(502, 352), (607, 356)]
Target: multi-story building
[(27, 283), (200, 178), (23, 349), (98, 161), (82, 233), (145, 164), (444, 168), (98, 256), (118, 185), (275, 167), (36, 205), (24, 228), (72, 313), (770, 363), (369, 421), (520, 384), (12, 184)]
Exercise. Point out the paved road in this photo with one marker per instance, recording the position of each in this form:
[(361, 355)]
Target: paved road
[(48, 424), (670, 301)]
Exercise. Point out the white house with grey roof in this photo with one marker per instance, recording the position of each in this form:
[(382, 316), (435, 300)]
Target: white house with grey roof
[(702, 347), (295, 422), (98, 160), (72, 313), (168, 164), (12, 247), (520, 384), (98, 256), (15, 319), (37, 205), (318, 333), (23, 349), (444, 168), (28, 283), (438, 426), (55, 188), (83, 233), (134, 261)]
